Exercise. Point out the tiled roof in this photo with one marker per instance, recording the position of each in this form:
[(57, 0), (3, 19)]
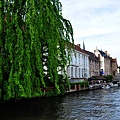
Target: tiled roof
[(92, 56), (79, 49)]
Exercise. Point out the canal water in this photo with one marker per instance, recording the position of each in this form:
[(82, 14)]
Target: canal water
[(102, 104)]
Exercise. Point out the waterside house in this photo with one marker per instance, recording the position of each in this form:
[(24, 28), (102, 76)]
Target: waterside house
[(85, 65), (78, 69)]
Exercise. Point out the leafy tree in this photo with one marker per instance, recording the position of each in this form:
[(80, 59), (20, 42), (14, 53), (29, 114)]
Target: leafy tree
[(33, 40)]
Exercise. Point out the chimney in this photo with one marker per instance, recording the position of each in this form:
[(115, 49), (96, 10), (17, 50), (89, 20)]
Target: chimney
[(99, 56), (109, 55), (78, 45), (106, 52)]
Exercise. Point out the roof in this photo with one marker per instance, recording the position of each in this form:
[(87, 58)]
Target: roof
[(103, 53), (92, 56), (79, 49)]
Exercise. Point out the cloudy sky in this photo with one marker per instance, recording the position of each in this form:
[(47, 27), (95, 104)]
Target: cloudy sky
[(96, 22)]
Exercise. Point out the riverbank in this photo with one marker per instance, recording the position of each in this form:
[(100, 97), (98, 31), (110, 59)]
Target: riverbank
[(76, 87)]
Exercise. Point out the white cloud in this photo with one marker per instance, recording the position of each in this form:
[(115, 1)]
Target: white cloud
[(95, 21)]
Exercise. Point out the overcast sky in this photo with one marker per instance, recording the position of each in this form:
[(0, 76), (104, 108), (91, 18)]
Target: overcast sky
[(97, 22)]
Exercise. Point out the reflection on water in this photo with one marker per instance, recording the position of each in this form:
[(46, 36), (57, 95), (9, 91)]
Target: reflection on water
[(102, 104)]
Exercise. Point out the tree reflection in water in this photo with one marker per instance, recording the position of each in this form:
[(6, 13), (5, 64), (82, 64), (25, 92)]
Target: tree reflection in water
[(85, 105)]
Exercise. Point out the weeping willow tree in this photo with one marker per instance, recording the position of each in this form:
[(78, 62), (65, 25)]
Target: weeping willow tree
[(33, 40)]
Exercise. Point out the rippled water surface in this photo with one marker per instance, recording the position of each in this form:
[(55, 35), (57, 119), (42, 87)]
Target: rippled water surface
[(102, 104)]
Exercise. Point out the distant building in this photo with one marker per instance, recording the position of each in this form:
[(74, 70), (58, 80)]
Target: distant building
[(114, 66), (105, 61), (94, 64)]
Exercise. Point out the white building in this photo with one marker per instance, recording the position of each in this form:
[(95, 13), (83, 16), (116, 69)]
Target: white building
[(79, 64)]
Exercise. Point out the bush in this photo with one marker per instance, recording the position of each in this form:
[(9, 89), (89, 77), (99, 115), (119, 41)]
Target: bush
[(109, 78)]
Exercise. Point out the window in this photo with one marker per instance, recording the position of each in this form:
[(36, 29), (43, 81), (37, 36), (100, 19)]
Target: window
[(82, 72), (71, 71), (79, 59), (71, 59), (76, 60), (76, 57), (79, 72), (75, 72), (96, 67)]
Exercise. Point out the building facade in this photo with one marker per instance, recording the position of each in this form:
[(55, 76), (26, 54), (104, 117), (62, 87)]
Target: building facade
[(105, 61), (94, 64), (79, 64), (114, 66)]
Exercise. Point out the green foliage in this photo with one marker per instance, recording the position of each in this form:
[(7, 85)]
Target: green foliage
[(109, 78), (86, 83), (82, 84), (33, 39), (50, 93)]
